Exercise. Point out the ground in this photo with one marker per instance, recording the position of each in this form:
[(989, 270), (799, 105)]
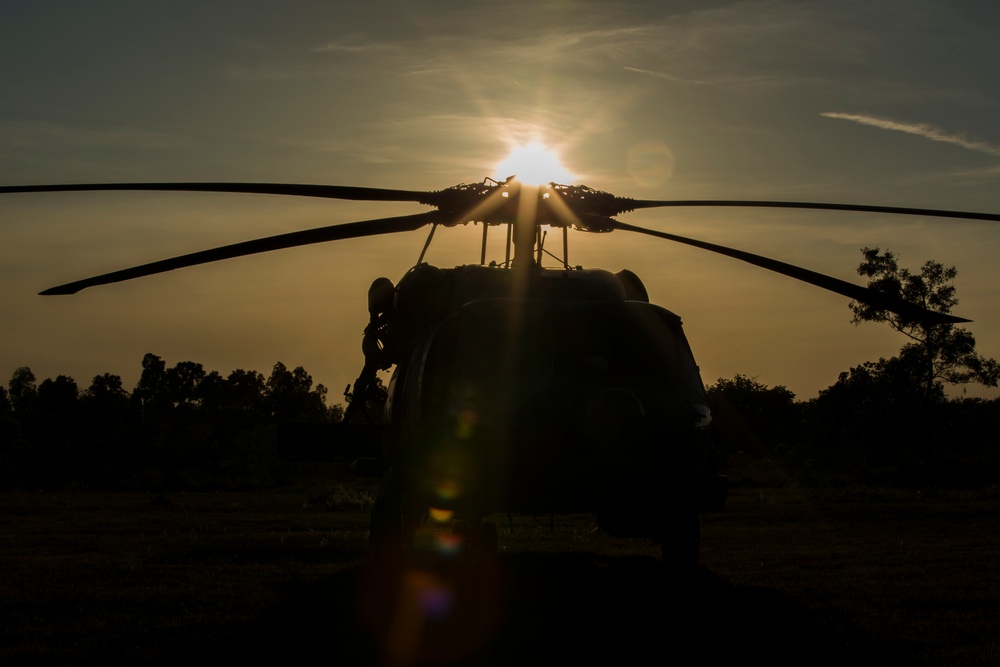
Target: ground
[(788, 575)]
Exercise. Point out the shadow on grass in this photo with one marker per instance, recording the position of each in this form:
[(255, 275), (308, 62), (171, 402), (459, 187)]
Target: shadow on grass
[(534, 609)]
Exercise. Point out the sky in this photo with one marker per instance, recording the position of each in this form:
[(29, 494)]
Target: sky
[(892, 103)]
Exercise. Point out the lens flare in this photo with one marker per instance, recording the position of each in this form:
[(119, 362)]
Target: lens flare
[(449, 489), (465, 423), (439, 515), (435, 600), (650, 163), (449, 545)]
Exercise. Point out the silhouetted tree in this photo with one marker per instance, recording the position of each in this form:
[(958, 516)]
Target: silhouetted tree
[(233, 408), (22, 391), (181, 427), (889, 420), (752, 417), (936, 353), (5, 409), (107, 387), (111, 432), (877, 424), (151, 390), (182, 383), (8, 427), (56, 431), (176, 442), (290, 396), (11, 446), (57, 401), (244, 392), (865, 421), (971, 458)]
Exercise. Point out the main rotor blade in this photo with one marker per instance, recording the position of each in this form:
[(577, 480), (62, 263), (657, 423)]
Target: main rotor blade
[(856, 292), (291, 189), (348, 230), (864, 208)]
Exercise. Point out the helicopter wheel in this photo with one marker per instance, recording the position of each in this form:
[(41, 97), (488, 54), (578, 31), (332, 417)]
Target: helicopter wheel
[(682, 542)]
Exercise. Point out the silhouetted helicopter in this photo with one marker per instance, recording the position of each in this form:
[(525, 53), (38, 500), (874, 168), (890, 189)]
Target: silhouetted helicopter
[(518, 388)]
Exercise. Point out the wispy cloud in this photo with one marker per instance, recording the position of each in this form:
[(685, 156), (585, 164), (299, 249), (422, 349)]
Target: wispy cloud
[(355, 43), (924, 130), (668, 77)]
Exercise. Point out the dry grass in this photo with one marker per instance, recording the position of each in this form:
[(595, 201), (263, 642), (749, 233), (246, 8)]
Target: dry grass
[(789, 576)]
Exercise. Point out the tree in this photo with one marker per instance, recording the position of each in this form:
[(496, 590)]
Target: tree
[(56, 431), (151, 390), (752, 417), (111, 434), (57, 402), (5, 408), (936, 352), (182, 383), (290, 396), (22, 392), (107, 387), (870, 419)]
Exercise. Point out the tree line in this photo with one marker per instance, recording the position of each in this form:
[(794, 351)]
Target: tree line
[(871, 427), (180, 427), (887, 421)]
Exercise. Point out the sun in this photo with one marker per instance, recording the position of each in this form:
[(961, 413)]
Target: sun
[(534, 164)]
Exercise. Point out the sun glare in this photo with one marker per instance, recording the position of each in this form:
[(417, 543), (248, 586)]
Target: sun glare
[(534, 164)]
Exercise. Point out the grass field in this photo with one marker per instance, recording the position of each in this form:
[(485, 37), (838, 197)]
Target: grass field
[(788, 576)]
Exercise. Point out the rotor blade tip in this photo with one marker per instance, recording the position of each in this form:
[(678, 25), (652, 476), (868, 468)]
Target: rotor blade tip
[(57, 291)]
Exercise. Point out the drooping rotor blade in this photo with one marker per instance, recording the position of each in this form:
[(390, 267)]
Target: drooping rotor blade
[(349, 230), (864, 208), (291, 189), (856, 292)]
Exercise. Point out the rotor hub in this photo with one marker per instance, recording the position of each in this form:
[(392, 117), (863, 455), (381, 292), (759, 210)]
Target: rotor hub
[(554, 204)]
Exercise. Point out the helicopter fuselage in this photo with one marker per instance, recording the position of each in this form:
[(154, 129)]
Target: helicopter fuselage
[(548, 391)]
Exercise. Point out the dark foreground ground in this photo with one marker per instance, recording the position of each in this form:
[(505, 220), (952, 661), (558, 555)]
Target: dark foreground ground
[(787, 577)]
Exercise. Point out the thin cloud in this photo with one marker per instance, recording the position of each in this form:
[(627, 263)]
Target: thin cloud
[(668, 77), (355, 44), (924, 130)]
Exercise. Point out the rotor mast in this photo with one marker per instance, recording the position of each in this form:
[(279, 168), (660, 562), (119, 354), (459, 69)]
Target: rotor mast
[(526, 225)]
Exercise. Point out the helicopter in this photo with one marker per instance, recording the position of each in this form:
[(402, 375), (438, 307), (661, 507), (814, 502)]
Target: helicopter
[(517, 387)]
